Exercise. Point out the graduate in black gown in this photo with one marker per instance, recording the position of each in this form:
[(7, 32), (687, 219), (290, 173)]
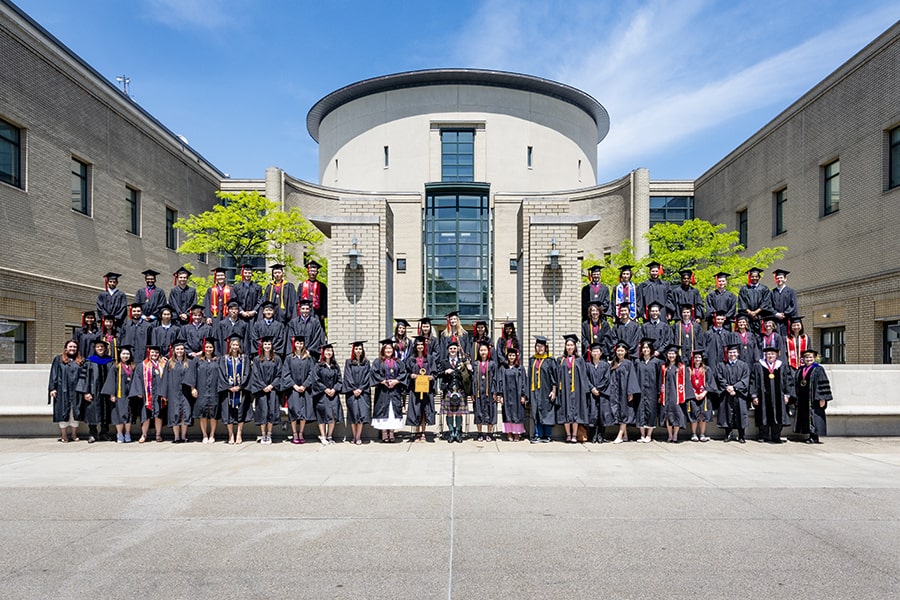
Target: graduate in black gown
[(784, 302), (813, 392), (746, 340), (231, 325), (136, 333), (454, 332), (625, 292), (389, 378), (358, 389), (109, 333), (770, 392), (456, 383), (507, 340), (88, 334), (509, 387), (543, 377), (266, 383), (237, 403), (268, 325), (687, 333), (716, 341), (117, 388), (327, 394), (574, 388), (733, 383), (648, 371), (685, 293), (484, 404), (150, 297), (598, 379), (754, 299), (63, 394), (700, 408), (623, 386), (112, 301), (420, 405), (182, 297), (315, 291), (595, 329), (215, 302), (595, 292), (432, 342), (283, 296), (196, 333), (657, 329), (96, 405), (248, 294), (720, 301), (653, 290), (770, 337), (307, 326), (148, 393), (165, 331), (676, 392), (480, 336), (298, 376), (178, 396), (205, 381), (627, 331)]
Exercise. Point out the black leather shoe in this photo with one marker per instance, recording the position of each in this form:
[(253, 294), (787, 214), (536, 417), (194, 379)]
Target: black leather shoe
[(742, 441)]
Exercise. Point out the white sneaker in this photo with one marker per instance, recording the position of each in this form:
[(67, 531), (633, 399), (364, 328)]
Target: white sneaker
[(694, 438), (324, 440)]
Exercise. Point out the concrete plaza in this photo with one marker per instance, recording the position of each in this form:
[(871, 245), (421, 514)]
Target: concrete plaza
[(433, 520)]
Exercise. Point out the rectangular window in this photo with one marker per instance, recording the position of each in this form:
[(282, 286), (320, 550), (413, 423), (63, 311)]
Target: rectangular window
[(133, 210), (457, 155), (780, 197), (894, 158), (529, 155), (742, 227), (13, 338), (10, 154), (201, 258), (81, 200), (832, 187), (232, 273), (832, 344), (387, 157), (171, 238), (671, 209)]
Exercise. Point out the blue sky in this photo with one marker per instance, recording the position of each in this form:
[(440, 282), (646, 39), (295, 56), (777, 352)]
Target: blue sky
[(684, 81)]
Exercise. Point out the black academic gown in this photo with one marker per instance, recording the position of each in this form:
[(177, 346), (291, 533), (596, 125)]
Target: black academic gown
[(733, 411), (137, 335), (661, 334), (93, 375), (311, 330), (811, 386), (502, 347), (193, 336), (385, 396), (206, 376), (649, 376), (358, 376), (420, 406), (651, 291), (623, 382), (235, 406), (301, 372), (483, 405), (543, 377), (224, 329), (689, 339), (573, 391), (630, 333), (770, 384), (510, 385), (592, 293), (328, 410), (721, 303), (597, 333), (754, 298), (264, 373), (151, 301), (178, 395), (115, 304), (117, 388), (598, 379), (716, 343), (676, 395), (165, 337), (86, 338), (679, 296), (181, 300), (750, 350), (784, 301), (64, 378), (309, 290), (147, 391), (284, 298), (249, 295), (274, 329)]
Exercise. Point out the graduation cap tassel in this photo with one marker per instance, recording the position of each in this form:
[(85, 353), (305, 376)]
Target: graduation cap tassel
[(693, 279)]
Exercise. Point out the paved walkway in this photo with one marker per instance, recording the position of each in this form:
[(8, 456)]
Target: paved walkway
[(433, 520)]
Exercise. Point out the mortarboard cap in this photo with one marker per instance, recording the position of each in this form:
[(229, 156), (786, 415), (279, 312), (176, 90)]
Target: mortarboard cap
[(149, 272)]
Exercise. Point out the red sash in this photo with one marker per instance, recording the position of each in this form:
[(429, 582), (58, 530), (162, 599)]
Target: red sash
[(680, 385), (795, 349), (698, 380), (308, 290), (214, 297)]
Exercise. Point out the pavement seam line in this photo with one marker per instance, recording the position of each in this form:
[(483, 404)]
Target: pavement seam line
[(452, 524)]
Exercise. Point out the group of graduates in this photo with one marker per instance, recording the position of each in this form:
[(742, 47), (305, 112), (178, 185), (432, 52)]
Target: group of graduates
[(251, 354)]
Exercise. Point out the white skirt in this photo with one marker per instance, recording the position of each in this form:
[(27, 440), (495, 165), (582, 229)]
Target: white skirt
[(392, 422)]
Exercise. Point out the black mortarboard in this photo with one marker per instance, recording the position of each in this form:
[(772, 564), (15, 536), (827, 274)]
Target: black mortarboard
[(452, 343), (686, 306), (797, 319), (754, 270), (247, 266), (277, 266), (136, 305), (741, 317), (237, 336), (313, 263), (153, 347), (597, 345), (810, 350), (150, 272), (419, 339), (402, 321), (233, 303), (89, 313), (770, 349), (733, 346), (128, 347), (781, 272), (626, 268), (197, 307), (622, 345), (595, 269), (673, 348), (722, 274), (571, 336), (268, 338), (167, 307), (453, 313), (654, 263), (112, 275), (220, 270), (326, 345), (182, 270), (304, 302), (699, 352), (99, 341), (387, 342), (424, 320), (540, 339), (655, 303), (358, 343), (684, 272), (648, 340), (267, 303)]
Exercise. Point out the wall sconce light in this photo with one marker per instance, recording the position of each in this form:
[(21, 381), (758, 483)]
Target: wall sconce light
[(353, 255), (553, 255)]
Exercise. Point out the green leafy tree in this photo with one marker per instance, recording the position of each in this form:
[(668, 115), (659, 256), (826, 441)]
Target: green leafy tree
[(245, 225), (699, 245)]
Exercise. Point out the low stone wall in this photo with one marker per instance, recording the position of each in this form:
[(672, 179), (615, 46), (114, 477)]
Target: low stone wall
[(866, 403)]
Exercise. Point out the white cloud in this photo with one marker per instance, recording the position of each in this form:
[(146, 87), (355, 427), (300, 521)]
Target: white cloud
[(181, 14), (669, 69)]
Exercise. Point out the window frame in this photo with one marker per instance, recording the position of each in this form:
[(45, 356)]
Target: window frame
[(171, 232), (893, 157), (834, 353), (20, 341), (831, 197), (84, 186), (743, 227), (133, 205), (779, 199), (446, 144), (15, 153)]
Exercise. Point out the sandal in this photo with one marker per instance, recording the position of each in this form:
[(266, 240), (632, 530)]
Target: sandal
[(142, 440), (159, 438)]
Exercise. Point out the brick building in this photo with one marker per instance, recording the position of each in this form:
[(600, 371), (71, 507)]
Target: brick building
[(89, 182), (823, 179)]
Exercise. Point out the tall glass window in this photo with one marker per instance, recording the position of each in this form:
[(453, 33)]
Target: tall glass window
[(13, 341), (81, 201), (457, 155), (10, 154), (671, 209), (457, 240), (780, 198), (894, 158), (832, 187), (742, 227), (833, 346), (171, 237), (133, 210)]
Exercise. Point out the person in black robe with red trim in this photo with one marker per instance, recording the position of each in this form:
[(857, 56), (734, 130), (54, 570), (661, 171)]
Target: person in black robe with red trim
[(770, 392), (813, 392)]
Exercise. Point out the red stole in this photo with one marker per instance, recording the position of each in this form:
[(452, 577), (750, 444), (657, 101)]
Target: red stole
[(218, 295), (795, 347), (310, 291), (680, 385)]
